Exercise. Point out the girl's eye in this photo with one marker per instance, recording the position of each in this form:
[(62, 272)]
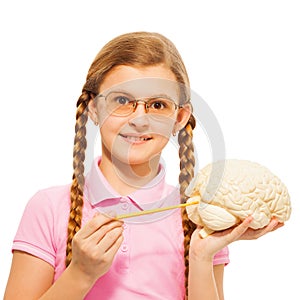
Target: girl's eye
[(121, 100), (159, 104)]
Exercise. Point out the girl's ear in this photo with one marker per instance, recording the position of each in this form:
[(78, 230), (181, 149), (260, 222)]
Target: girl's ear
[(93, 110), (183, 116)]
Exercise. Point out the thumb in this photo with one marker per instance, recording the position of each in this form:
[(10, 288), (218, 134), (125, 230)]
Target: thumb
[(239, 230)]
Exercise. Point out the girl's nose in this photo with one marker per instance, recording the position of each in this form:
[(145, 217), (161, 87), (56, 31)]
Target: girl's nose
[(139, 118), (140, 103)]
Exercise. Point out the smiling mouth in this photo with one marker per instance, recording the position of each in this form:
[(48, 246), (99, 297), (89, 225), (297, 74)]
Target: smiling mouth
[(134, 138)]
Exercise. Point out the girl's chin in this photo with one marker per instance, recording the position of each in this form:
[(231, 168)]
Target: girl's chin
[(135, 158)]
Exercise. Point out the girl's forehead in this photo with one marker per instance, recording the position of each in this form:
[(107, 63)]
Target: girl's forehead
[(141, 82)]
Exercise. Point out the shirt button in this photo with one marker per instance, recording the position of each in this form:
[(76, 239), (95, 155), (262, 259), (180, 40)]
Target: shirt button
[(123, 199), (124, 248), (124, 206), (125, 226)]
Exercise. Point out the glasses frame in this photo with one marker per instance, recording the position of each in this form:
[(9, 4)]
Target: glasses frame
[(136, 101)]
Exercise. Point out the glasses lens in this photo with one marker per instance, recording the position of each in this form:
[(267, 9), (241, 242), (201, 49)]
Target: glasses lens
[(122, 104), (119, 103), (161, 106)]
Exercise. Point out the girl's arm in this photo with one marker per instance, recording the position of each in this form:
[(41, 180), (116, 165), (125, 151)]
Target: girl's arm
[(206, 281), (202, 283), (94, 247), (219, 275), (31, 277)]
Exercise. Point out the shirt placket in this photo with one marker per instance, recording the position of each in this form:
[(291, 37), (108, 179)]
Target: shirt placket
[(124, 251)]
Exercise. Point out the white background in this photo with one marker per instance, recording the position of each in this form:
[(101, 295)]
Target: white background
[(242, 58)]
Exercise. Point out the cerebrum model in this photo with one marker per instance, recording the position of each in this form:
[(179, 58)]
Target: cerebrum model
[(230, 190)]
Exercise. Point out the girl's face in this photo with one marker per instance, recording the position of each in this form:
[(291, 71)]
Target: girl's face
[(140, 136)]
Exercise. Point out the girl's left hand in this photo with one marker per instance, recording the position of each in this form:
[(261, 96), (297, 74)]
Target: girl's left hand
[(210, 245)]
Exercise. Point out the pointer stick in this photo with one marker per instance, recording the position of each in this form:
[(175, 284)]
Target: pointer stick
[(151, 211)]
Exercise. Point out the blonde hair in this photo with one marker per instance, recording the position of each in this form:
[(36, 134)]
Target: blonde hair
[(134, 49)]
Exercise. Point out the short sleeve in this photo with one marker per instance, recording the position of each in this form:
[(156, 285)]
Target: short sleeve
[(35, 232), (222, 257)]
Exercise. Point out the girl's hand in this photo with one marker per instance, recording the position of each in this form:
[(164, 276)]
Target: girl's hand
[(205, 249), (95, 245)]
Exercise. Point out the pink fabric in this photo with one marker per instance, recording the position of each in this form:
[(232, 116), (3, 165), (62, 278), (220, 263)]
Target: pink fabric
[(149, 264)]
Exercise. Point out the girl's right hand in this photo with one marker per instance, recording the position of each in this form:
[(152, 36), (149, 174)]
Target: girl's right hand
[(95, 245)]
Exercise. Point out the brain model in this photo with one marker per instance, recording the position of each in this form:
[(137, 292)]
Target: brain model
[(230, 190)]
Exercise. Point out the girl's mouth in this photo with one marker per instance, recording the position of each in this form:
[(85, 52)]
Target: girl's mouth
[(135, 138)]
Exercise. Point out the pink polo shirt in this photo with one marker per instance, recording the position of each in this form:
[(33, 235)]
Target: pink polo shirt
[(149, 264)]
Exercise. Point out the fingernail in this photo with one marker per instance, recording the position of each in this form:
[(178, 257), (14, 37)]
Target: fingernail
[(249, 219), (112, 214), (274, 222)]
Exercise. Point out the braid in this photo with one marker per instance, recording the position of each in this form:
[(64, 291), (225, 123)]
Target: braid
[(77, 187), (187, 163)]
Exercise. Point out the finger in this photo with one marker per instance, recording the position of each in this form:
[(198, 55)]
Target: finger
[(273, 225), (101, 232), (112, 214), (112, 251), (239, 230), (94, 224), (109, 239), (278, 226)]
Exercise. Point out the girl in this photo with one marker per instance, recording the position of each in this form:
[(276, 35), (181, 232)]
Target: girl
[(68, 247)]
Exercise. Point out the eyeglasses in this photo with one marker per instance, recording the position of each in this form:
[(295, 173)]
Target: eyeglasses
[(123, 104)]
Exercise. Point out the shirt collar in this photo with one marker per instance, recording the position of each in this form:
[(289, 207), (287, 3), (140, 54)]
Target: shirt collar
[(155, 194), (99, 189)]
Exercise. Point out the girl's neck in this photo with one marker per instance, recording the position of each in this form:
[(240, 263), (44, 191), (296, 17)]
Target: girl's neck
[(126, 178)]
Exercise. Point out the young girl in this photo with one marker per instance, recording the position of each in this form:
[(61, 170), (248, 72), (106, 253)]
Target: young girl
[(70, 245)]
